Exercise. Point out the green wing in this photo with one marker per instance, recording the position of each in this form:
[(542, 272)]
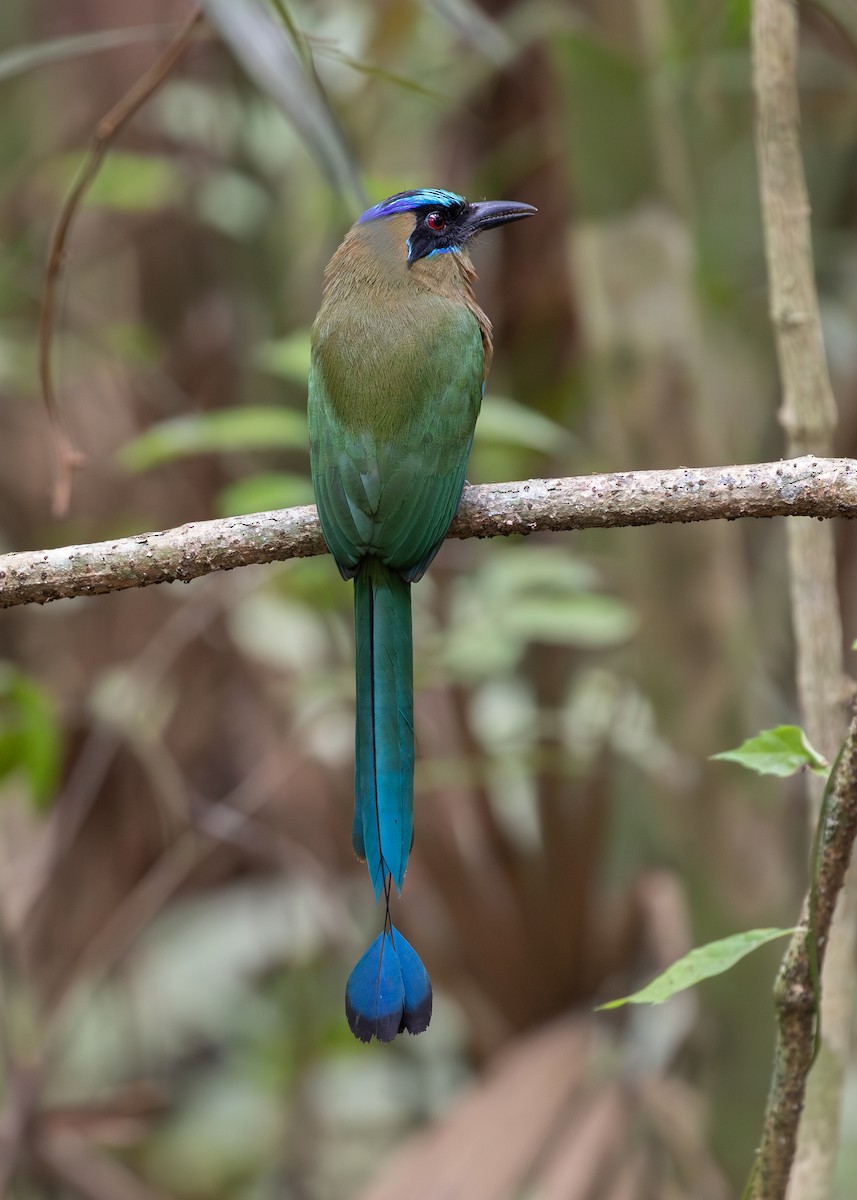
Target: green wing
[(391, 427)]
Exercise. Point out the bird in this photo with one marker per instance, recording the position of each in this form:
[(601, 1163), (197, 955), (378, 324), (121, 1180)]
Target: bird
[(400, 354)]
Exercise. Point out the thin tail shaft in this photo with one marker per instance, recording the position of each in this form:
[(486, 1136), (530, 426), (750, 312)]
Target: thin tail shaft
[(384, 749)]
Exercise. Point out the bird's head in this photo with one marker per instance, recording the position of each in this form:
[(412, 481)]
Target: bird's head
[(433, 222)]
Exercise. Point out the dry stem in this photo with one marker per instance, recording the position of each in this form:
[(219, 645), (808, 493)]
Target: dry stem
[(68, 458)]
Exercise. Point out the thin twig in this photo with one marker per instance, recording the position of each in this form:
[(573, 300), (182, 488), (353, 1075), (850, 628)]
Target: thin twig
[(806, 486), (794, 996), (68, 458), (808, 415)]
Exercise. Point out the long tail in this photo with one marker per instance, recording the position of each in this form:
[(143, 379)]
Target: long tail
[(389, 990), (384, 748)]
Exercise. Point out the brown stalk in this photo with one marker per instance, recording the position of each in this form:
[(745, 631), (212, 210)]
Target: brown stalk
[(68, 458), (794, 998), (808, 415)]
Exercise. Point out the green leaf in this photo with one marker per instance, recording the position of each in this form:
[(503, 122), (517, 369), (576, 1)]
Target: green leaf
[(586, 619), (30, 738), (604, 122), (782, 751), (232, 203), (507, 421), (524, 594), (250, 428), (264, 492), (736, 22), (135, 183), (287, 358), (542, 595), (135, 343), (511, 571), (703, 962)]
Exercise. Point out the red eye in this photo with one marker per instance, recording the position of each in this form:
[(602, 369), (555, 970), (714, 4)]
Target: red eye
[(436, 221)]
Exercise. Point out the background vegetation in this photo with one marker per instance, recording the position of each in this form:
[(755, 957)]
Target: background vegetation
[(180, 904)]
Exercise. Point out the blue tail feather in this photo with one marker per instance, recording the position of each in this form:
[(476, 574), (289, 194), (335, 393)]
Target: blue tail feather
[(388, 991), (415, 979), (384, 746)]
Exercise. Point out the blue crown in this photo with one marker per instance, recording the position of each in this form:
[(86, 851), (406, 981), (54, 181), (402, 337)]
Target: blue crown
[(409, 201)]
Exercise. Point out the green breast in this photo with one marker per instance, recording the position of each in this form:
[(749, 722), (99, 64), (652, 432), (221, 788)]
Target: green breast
[(394, 392)]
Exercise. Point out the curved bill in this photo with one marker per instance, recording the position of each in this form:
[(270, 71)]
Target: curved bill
[(490, 213)]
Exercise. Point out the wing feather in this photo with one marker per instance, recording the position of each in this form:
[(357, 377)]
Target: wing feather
[(389, 469)]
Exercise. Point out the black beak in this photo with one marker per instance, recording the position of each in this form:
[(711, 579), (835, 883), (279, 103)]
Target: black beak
[(491, 213)]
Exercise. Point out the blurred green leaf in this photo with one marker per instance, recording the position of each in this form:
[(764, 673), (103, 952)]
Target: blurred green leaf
[(131, 182), (277, 64), (227, 1125), (193, 112), (504, 420), (233, 203), (286, 357), (263, 492), (586, 620), (513, 569), (606, 124), (525, 594), (39, 54), (703, 962), (736, 22), (279, 631), (781, 751), (30, 737), (312, 581), (216, 432), (134, 342)]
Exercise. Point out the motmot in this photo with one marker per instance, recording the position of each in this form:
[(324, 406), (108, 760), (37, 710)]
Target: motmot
[(400, 354)]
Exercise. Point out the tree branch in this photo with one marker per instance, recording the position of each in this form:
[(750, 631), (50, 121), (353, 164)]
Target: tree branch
[(795, 1001), (808, 415), (807, 486)]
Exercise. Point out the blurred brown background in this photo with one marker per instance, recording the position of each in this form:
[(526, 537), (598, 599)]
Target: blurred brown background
[(180, 903)]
